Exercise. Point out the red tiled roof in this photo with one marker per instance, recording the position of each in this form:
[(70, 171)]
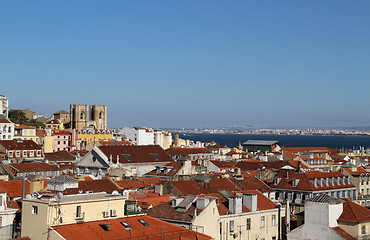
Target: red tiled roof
[(137, 154), (256, 164), (352, 212), (304, 183), (60, 132), (151, 180), (358, 172), (14, 187), (186, 151), (308, 149), (23, 127), (263, 203), (224, 165), (33, 167), (19, 145), (112, 143), (189, 187), (343, 233), (129, 184), (156, 229), (4, 120), (40, 132), (59, 156), (101, 185)]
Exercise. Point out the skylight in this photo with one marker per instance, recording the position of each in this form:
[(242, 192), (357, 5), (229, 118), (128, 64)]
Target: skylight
[(126, 225), (105, 227), (142, 221)]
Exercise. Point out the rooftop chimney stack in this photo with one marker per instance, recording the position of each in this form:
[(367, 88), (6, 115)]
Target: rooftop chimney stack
[(250, 201)]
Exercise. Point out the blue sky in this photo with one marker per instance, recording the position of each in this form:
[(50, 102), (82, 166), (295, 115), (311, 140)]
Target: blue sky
[(191, 63)]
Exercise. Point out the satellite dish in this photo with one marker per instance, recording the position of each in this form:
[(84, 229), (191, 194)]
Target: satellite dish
[(115, 192), (28, 196), (60, 195)]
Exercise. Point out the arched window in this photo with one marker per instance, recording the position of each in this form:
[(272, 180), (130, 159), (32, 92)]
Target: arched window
[(100, 115), (82, 115)]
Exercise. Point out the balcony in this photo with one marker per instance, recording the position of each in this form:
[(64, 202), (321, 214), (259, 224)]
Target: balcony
[(80, 217)]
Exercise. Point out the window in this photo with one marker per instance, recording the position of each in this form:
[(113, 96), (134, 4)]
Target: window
[(35, 210), (17, 154), (363, 230), (105, 227), (126, 225), (273, 220), (78, 211), (262, 221), (231, 226), (249, 223), (1, 200), (142, 221), (220, 230)]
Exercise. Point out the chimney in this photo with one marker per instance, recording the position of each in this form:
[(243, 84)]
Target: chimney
[(202, 202), (235, 205), (23, 188), (250, 201), (176, 201)]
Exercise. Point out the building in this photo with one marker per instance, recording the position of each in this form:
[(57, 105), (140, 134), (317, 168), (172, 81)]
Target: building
[(124, 160), (128, 228), (360, 177), (200, 155), (63, 116), (90, 136), (21, 150), (296, 187), (237, 215), (6, 129), (54, 124), (56, 140), (261, 145), (147, 136), (327, 217), (83, 115), (26, 169), (7, 216), (41, 213), (25, 132), (4, 107), (320, 216)]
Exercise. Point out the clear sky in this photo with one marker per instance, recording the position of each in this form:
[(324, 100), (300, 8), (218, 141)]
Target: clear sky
[(201, 63)]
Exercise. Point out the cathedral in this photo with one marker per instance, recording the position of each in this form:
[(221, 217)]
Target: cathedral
[(83, 115)]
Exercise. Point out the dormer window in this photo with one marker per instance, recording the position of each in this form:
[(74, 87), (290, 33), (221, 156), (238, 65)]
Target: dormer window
[(294, 182)]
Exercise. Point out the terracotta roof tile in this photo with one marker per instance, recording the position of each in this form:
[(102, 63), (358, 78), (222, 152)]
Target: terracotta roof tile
[(155, 230), (352, 212), (19, 145), (343, 233), (186, 151), (137, 154)]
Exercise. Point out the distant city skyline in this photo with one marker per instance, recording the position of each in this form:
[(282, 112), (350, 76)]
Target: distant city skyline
[(193, 64)]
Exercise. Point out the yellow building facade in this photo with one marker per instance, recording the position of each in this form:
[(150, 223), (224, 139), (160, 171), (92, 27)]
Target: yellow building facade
[(38, 215)]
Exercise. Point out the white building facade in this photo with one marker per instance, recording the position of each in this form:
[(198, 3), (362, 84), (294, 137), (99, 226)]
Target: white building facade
[(6, 129), (147, 136), (4, 106)]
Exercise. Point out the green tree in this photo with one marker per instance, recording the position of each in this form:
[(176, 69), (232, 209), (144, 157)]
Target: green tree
[(18, 117)]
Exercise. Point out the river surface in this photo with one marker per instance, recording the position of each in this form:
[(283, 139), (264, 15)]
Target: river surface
[(232, 140)]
